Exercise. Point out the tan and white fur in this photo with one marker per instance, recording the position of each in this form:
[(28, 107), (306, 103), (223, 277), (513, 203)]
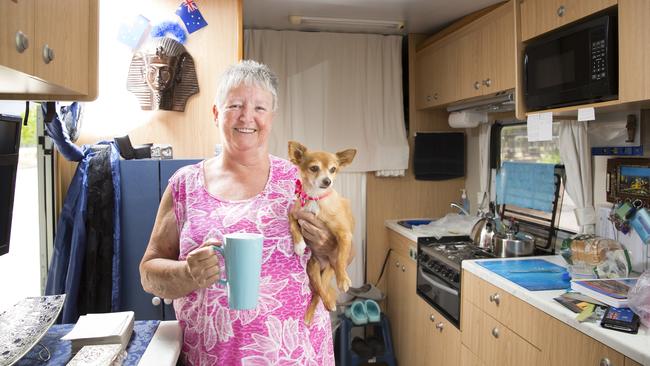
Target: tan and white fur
[(318, 169)]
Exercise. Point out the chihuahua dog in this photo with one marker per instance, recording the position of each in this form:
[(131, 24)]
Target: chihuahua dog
[(318, 169)]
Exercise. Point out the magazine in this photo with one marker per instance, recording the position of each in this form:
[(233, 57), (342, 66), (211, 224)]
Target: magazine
[(612, 292)]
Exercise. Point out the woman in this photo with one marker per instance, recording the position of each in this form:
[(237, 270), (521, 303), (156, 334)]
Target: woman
[(242, 189)]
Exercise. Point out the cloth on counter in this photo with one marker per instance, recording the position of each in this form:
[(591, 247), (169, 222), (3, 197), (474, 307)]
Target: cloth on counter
[(61, 351), (450, 225), (526, 185)]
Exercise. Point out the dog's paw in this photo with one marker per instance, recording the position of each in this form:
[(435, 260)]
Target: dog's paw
[(330, 304), (344, 283), (299, 248)]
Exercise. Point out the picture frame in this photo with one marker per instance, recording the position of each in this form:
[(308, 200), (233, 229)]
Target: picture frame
[(628, 180)]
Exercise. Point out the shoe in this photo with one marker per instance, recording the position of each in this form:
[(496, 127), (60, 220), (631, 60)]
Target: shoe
[(376, 345), (361, 348), (373, 311), (366, 291), (357, 313)]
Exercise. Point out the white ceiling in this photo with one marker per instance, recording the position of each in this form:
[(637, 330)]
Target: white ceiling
[(420, 16)]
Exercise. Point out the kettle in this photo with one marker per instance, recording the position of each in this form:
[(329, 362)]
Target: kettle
[(513, 243), (485, 229)]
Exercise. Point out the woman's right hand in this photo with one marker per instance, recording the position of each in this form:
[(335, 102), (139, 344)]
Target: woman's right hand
[(203, 265)]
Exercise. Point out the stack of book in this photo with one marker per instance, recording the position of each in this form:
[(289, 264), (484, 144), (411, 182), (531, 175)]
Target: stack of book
[(100, 329), (612, 292)]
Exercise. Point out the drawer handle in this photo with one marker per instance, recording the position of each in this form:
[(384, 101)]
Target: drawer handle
[(496, 298), (397, 264), (155, 301), (605, 362), (487, 82), (440, 326), (22, 42), (48, 54), (495, 333), (560, 11), (477, 85), (428, 98), (432, 318), (435, 96), (403, 269)]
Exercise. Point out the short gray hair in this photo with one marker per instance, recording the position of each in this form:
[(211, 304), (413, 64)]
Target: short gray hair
[(247, 72)]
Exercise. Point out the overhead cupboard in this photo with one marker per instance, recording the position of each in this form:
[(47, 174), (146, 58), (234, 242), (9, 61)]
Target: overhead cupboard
[(49, 49), (486, 55)]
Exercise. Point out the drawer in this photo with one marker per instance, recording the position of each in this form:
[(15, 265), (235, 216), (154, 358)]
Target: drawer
[(524, 319), (467, 358), (493, 342)]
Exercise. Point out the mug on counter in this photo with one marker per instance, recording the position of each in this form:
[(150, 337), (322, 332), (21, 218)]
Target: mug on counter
[(242, 254)]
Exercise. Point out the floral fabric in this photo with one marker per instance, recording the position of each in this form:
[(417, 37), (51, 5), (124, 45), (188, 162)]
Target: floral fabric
[(274, 333)]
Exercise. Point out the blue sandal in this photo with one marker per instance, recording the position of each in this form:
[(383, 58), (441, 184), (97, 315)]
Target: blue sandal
[(373, 311), (357, 312)]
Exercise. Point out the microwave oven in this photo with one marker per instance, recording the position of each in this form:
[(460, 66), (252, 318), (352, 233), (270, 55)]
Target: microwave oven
[(577, 64)]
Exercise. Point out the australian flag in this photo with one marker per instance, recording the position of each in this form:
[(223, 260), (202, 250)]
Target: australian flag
[(191, 16)]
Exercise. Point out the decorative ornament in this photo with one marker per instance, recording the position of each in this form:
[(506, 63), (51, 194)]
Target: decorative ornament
[(191, 16), (162, 75), (169, 28), (132, 34)]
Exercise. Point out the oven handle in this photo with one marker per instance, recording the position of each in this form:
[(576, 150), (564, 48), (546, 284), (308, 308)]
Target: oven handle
[(436, 284)]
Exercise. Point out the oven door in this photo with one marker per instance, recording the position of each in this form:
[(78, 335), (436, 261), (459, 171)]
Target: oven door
[(438, 293), (571, 66)]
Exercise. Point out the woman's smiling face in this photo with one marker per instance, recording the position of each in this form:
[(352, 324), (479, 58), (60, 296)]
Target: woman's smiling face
[(245, 118)]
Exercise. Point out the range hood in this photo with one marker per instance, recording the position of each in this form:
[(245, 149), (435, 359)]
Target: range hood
[(499, 102)]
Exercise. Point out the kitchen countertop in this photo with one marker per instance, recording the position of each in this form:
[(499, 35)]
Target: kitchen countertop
[(634, 346)]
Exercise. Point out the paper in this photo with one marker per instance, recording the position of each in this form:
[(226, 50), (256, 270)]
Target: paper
[(532, 127), (545, 126), (586, 114), (99, 325)]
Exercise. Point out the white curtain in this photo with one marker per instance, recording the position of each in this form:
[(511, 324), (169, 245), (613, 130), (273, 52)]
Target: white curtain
[(576, 156), (337, 91), (483, 196)]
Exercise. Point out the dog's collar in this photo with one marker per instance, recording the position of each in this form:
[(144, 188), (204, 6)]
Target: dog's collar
[(304, 197)]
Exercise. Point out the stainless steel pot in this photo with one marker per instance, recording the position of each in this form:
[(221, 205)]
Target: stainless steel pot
[(512, 244)]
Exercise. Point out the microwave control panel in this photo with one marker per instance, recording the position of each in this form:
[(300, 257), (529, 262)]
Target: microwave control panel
[(598, 59)]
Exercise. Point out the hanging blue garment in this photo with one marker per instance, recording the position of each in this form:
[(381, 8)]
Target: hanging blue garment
[(66, 271)]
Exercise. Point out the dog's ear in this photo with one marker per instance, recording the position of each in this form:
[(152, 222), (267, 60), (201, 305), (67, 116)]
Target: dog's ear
[(345, 157), (296, 152)]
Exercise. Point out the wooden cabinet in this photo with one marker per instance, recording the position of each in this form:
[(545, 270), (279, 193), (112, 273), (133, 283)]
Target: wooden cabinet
[(421, 336), (436, 70), (17, 35), (541, 16), (571, 347), (476, 60), (58, 57)]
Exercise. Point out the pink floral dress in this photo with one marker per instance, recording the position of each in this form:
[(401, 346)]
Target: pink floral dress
[(274, 333)]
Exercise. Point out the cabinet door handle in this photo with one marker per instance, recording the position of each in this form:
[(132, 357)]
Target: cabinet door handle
[(487, 82), (477, 85), (435, 96), (560, 11), (440, 326), (432, 318), (605, 362), (495, 332), (22, 42), (496, 298), (155, 301), (428, 98), (403, 269), (397, 264), (48, 54)]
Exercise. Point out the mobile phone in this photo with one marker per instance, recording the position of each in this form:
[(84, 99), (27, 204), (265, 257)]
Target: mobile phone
[(621, 319)]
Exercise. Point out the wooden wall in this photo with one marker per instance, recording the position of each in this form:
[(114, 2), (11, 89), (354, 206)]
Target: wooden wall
[(405, 197), (116, 112)]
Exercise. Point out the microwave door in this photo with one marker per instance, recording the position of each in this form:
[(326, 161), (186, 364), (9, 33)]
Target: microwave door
[(559, 66)]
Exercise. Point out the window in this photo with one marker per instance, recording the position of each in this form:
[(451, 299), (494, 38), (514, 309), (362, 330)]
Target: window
[(515, 147)]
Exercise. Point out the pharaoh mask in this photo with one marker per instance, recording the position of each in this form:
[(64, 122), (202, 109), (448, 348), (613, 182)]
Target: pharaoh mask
[(162, 75)]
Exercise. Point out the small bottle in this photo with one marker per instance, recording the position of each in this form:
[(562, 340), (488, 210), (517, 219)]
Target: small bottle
[(464, 200)]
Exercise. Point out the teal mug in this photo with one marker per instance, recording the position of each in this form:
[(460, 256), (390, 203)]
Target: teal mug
[(242, 254)]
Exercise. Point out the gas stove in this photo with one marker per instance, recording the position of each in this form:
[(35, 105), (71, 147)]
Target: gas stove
[(439, 272)]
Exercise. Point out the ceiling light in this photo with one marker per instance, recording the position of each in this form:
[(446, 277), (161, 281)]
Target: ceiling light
[(367, 23)]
